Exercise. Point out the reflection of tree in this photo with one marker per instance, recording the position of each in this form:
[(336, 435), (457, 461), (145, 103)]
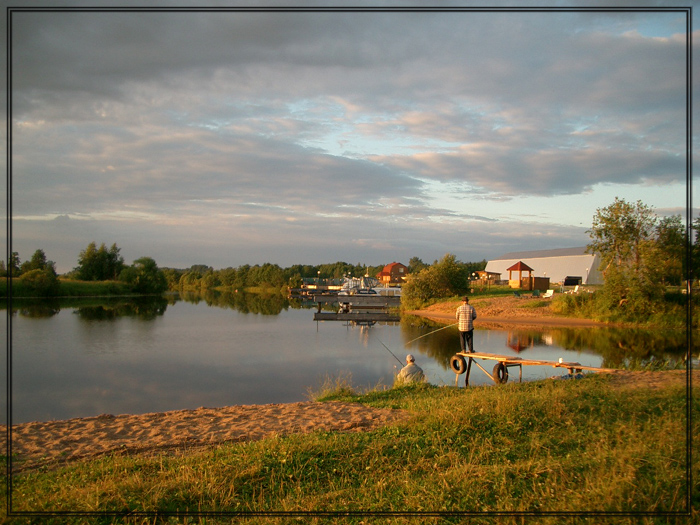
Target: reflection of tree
[(623, 348), (39, 309), (441, 345), (145, 308), (264, 304), (94, 308)]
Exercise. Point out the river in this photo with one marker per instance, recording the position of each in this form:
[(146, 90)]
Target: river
[(88, 357)]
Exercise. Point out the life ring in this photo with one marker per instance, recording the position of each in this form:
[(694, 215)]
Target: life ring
[(500, 373), (458, 364)]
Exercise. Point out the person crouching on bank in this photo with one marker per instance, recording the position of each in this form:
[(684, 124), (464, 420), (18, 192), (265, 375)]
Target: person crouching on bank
[(411, 373)]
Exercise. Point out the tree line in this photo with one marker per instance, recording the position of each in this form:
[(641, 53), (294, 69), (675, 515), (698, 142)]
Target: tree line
[(269, 275), (94, 264), (640, 254), (102, 263)]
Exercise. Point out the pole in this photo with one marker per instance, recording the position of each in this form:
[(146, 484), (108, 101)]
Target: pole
[(392, 353), (425, 335)]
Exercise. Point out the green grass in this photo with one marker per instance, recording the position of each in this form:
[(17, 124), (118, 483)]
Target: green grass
[(68, 288), (540, 447)]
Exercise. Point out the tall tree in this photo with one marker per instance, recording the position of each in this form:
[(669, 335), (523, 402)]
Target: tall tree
[(416, 264), (671, 249), (620, 234), (39, 262), (624, 236), (99, 264), (13, 265)]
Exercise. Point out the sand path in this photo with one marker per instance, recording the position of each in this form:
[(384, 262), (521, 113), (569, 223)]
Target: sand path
[(506, 311), (49, 443)]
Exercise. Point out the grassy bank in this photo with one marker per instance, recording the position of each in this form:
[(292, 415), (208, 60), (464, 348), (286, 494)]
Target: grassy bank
[(68, 288), (535, 448), (667, 311)]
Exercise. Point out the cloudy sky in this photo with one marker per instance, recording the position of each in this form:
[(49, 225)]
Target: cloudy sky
[(227, 138)]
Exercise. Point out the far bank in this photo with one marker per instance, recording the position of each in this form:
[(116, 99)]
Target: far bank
[(502, 311)]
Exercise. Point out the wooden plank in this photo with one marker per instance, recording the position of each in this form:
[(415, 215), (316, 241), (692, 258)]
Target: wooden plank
[(370, 301), (514, 360)]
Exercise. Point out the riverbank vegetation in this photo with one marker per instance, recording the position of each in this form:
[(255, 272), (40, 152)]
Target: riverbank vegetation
[(549, 450), (100, 272)]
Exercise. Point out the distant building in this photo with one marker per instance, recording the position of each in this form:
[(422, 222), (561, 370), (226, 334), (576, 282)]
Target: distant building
[(484, 276), (565, 264), (393, 273)]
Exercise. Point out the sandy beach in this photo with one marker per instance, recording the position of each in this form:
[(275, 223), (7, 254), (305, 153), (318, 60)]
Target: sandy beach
[(53, 442)]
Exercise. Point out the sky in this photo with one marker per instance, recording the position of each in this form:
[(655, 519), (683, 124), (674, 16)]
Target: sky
[(228, 137)]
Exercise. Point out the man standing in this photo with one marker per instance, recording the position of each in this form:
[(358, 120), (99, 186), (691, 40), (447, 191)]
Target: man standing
[(411, 372), (465, 316)]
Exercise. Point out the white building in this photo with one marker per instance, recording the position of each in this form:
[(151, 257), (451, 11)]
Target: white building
[(555, 264)]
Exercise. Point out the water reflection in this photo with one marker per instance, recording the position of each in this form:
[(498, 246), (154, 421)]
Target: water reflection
[(39, 310), (135, 355), (618, 347), (148, 307), (264, 304), (144, 308)]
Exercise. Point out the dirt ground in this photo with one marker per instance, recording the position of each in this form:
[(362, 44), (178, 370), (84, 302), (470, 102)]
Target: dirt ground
[(505, 310)]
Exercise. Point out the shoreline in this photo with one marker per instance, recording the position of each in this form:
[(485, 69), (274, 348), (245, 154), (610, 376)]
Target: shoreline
[(508, 311), (55, 443)]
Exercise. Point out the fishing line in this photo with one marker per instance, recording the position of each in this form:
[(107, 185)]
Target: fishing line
[(424, 335), (392, 353)]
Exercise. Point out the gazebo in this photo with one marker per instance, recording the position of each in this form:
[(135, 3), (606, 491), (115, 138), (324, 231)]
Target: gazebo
[(519, 267)]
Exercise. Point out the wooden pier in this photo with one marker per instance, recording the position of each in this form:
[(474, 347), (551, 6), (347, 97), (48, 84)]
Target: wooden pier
[(461, 363), (360, 300), (359, 308)]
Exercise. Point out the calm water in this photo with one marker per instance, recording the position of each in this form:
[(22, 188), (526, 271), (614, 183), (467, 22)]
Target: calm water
[(138, 357)]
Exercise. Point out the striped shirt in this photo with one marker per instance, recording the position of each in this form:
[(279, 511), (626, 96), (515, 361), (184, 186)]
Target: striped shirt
[(466, 315)]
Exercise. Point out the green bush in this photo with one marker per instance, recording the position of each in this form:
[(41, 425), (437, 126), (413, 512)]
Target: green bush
[(443, 279), (144, 277), (40, 283)]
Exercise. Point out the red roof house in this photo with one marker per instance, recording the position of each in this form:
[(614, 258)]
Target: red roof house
[(393, 273)]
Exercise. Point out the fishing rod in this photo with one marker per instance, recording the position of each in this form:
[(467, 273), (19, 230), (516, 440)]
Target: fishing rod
[(392, 353), (424, 335), (416, 339)]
